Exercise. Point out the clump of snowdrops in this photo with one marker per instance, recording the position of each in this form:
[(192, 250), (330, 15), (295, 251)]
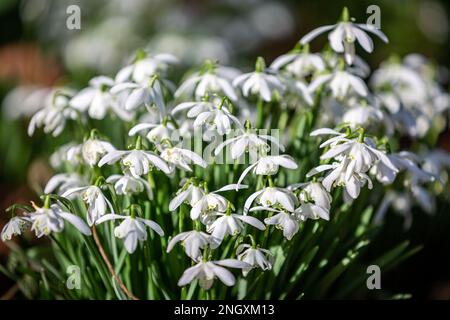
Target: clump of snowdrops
[(266, 184)]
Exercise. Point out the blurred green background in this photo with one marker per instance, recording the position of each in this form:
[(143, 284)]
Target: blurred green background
[(38, 51)]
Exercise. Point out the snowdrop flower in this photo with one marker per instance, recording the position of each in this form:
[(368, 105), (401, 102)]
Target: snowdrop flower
[(362, 116), (97, 203), (181, 158), (315, 192), (189, 193), (299, 64), (436, 163), (255, 257), (341, 175), (298, 89), (283, 220), (269, 165), (74, 154), (47, 220), (157, 132), (231, 224), (70, 153), (93, 150), (248, 141), (219, 119), (131, 229), (405, 86), (341, 83), (54, 115), (138, 162), (214, 114), (401, 202), (15, 226), (97, 99), (359, 67), (148, 93), (362, 156), (127, 184), (259, 82), (344, 36), (192, 241), (403, 160), (24, 101), (327, 131), (62, 182), (214, 79), (207, 271), (308, 210), (414, 99), (213, 202), (272, 196), (145, 66), (315, 201), (361, 152)]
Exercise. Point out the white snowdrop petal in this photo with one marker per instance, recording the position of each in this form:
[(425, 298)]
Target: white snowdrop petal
[(77, 222), (224, 275), (189, 274), (153, 225), (314, 33), (232, 263), (178, 200), (251, 221)]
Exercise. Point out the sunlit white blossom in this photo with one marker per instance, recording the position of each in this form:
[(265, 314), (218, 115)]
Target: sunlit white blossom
[(214, 114), (283, 220), (54, 115), (131, 229), (250, 142), (189, 193), (207, 271), (259, 83), (269, 165), (145, 66), (231, 224), (299, 64), (14, 227), (127, 184), (215, 79), (272, 196), (138, 162), (192, 241), (340, 174), (344, 35), (255, 257), (341, 83), (47, 220), (93, 150), (213, 202), (149, 93), (182, 158), (156, 132), (97, 100), (62, 182), (97, 203)]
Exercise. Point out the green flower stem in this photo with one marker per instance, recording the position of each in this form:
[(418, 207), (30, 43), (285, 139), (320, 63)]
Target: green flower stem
[(260, 113), (183, 213), (109, 265)]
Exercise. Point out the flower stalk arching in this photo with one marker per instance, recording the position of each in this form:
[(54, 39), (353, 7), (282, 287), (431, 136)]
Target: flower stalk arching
[(105, 258)]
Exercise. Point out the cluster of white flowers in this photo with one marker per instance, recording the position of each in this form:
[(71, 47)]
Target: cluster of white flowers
[(218, 100)]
